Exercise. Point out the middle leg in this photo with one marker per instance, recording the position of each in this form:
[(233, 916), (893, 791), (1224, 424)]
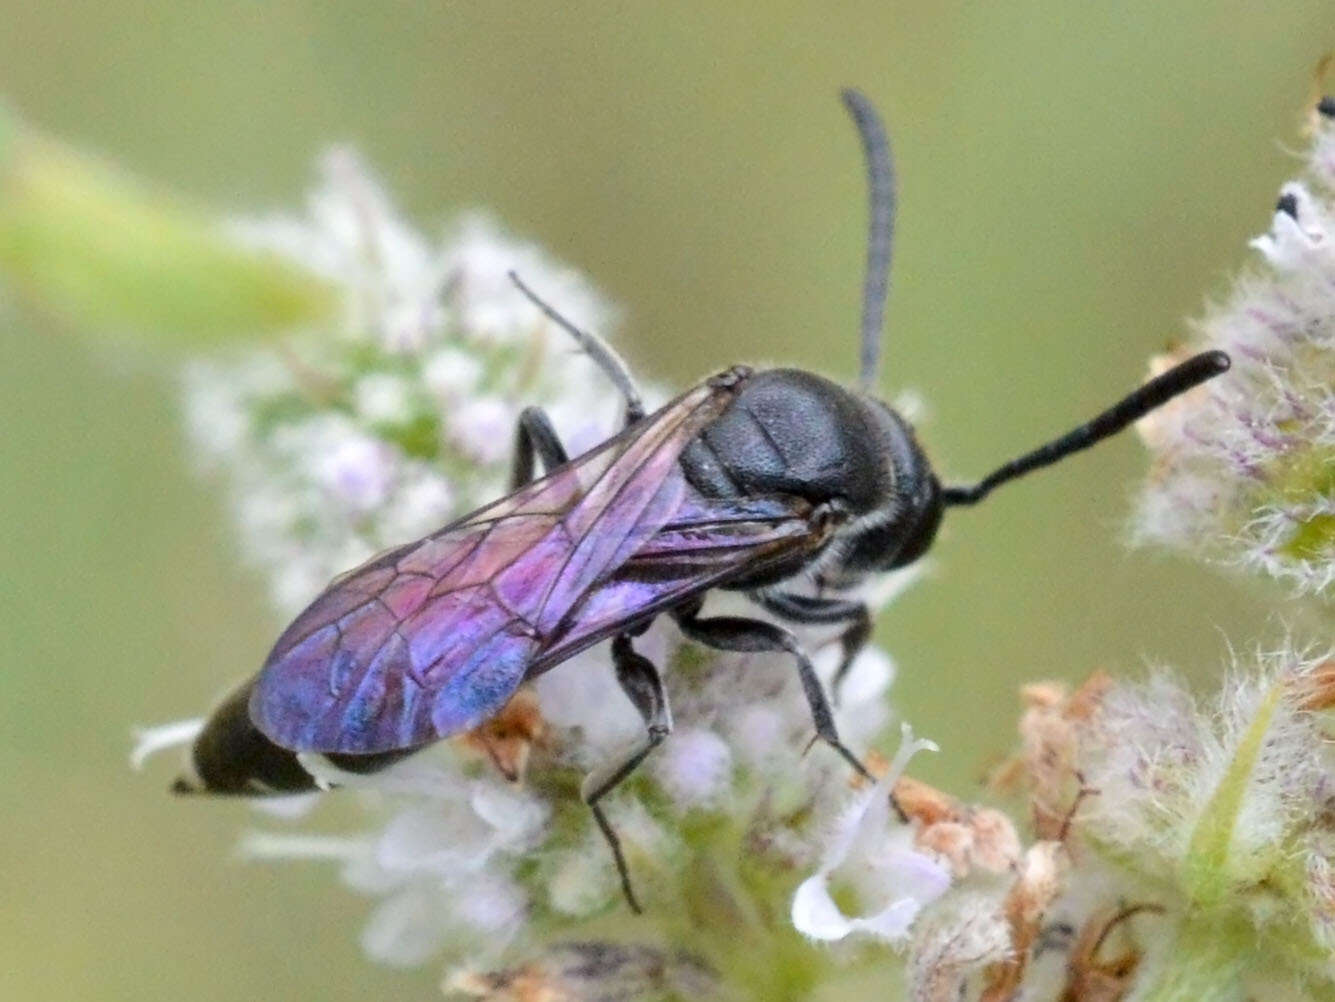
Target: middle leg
[(737, 633), (818, 609)]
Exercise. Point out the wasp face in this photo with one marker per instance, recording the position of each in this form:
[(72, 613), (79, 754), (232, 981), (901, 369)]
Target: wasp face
[(903, 524)]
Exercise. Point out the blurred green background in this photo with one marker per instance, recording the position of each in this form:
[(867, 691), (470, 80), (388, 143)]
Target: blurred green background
[(1075, 178)]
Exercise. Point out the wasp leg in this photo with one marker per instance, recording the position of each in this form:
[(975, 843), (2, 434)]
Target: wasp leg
[(535, 438), (735, 633), (640, 681), (815, 609)]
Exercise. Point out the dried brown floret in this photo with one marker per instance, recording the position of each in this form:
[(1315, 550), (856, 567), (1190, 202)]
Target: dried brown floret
[(508, 738)]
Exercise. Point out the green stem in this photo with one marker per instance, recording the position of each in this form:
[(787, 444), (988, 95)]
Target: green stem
[(1206, 964), (1205, 870), (107, 254)]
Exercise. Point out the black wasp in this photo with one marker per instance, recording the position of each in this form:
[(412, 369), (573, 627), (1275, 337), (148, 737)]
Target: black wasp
[(754, 481)]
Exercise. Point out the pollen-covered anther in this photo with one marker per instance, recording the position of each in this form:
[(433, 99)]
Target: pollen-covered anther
[(508, 738)]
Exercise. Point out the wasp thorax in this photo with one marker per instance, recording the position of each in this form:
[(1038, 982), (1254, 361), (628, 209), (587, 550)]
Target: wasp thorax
[(793, 432)]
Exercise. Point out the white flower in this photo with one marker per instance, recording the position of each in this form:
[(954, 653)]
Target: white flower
[(875, 855), (479, 260), (358, 471), (346, 442), (352, 235), (422, 501), (383, 399), (452, 374), (694, 768), (439, 862), (484, 429)]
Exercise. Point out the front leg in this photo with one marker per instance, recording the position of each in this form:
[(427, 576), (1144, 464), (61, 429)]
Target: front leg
[(736, 633), (811, 609), (640, 681), (535, 438)]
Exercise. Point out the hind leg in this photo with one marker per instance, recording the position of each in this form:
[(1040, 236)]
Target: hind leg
[(640, 681)]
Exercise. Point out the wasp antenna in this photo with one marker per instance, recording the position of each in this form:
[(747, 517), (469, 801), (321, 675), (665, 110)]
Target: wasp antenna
[(880, 230), (1132, 407), (596, 348)]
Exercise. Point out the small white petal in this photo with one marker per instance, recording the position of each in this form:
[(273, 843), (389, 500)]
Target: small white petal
[(694, 767), (814, 912), (433, 837), (491, 904), (581, 882), (295, 583), (867, 843), (483, 428), (269, 846), (286, 807), (358, 472), (423, 501), (756, 730), (868, 678), (150, 740), (917, 875), (408, 928), (516, 816), (452, 374), (381, 398), (892, 922), (584, 694)]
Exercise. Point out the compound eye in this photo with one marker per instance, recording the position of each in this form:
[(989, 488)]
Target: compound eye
[(899, 541), (874, 549)]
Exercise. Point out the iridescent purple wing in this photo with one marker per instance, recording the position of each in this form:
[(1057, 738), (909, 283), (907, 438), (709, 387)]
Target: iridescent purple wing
[(706, 543), (433, 638)]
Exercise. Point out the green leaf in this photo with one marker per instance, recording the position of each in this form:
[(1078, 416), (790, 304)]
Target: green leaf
[(1206, 876)]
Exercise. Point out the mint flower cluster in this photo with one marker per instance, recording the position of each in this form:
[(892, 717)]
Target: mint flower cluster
[(1245, 473), (340, 442)]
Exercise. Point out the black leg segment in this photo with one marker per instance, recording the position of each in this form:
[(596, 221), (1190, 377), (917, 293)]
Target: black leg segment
[(736, 633), (812, 609), (535, 438), (640, 681)]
